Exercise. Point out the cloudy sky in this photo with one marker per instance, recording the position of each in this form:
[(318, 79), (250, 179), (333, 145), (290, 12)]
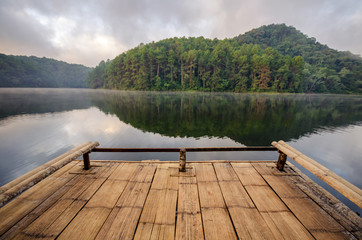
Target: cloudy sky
[(88, 31)]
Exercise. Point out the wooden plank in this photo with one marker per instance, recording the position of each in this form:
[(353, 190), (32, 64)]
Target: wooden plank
[(225, 172), (285, 226), (205, 172), (189, 226), (123, 219), (137, 189), (265, 199), (163, 232), (247, 174), (103, 171), (160, 206), (267, 168), (134, 195), (217, 224), (235, 195), (54, 220), (189, 223), (344, 215), (144, 173), (44, 189), (210, 195), (87, 224), (189, 176), (50, 229), (188, 199), (312, 216), (284, 187), (124, 171), (150, 208), (11, 213), (332, 236), (14, 211), (108, 194), (82, 183), (249, 224), (91, 218), (144, 230), (38, 211), (46, 219), (166, 177), (121, 223), (62, 221), (166, 210)]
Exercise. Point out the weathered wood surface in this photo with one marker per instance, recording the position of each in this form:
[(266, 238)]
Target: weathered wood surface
[(17, 186), (153, 200), (349, 190)]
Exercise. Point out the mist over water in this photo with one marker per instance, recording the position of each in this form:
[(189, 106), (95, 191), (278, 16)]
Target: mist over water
[(37, 125)]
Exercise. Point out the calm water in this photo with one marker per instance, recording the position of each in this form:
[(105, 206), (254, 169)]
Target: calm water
[(37, 125)]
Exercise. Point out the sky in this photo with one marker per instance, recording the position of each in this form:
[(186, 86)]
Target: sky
[(88, 31)]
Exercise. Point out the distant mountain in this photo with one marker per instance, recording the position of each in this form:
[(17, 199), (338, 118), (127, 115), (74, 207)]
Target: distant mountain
[(326, 67), (22, 71), (275, 58)]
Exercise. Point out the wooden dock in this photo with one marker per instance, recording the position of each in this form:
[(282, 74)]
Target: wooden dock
[(154, 200)]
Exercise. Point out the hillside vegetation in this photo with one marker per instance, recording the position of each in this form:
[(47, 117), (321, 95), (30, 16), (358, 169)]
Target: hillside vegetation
[(22, 71), (273, 58)]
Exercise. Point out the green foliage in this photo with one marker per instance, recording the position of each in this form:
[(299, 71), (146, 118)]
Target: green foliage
[(21, 71), (324, 69), (273, 58), (241, 117)]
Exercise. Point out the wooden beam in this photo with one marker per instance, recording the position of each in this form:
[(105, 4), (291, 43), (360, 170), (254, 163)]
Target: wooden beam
[(281, 161), (346, 188), (210, 149), (40, 168), (86, 161), (182, 160), (42, 172)]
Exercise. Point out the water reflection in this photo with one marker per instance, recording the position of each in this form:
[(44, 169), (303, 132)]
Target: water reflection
[(249, 119), (38, 125)]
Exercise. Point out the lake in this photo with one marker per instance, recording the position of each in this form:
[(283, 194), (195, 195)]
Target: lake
[(37, 125)]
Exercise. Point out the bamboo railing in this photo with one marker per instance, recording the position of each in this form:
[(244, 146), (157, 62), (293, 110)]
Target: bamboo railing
[(182, 151), (350, 191), (20, 184)]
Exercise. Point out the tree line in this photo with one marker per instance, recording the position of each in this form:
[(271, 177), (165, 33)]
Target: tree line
[(272, 58), (22, 71)]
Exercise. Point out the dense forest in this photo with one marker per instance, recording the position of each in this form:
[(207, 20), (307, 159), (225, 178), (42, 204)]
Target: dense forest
[(22, 71), (274, 58)]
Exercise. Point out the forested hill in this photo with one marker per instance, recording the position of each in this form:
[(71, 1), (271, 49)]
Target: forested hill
[(22, 71), (274, 58)]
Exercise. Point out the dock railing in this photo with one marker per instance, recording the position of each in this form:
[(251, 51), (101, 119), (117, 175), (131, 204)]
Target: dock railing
[(352, 192), (182, 151), (17, 186)]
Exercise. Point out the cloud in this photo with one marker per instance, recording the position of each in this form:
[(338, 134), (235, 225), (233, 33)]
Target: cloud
[(87, 32)]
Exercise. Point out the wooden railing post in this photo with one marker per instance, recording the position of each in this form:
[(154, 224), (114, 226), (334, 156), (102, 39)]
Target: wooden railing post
[(182, 160), (86, 161), (281, 160)]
